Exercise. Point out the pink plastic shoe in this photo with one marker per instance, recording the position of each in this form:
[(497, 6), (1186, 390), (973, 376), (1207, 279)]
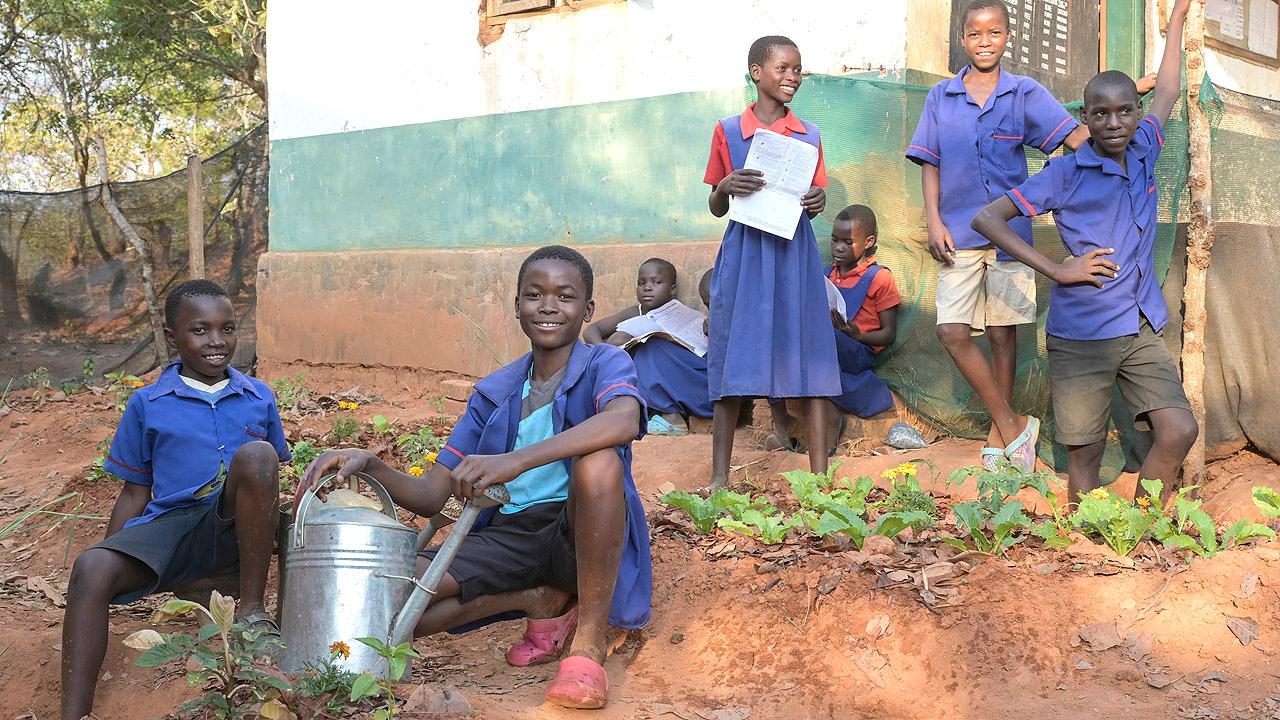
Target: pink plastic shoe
[(580, 683), (543, 639)]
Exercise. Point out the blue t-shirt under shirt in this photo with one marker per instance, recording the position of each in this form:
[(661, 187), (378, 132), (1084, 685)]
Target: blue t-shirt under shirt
[(550, 482)]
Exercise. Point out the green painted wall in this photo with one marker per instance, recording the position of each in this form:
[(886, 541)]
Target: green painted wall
[(619, 171), (1126, 36)]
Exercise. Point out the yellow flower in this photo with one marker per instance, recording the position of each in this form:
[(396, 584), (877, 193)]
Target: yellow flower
[(905, 470), (138, 383), (344, 405), (353, 406), (340, 649), (415, 471), (431, 456), (1098, 494), (1143, 502)]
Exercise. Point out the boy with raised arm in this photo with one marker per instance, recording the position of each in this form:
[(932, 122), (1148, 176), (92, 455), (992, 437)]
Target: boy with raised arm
[(1106, 312)]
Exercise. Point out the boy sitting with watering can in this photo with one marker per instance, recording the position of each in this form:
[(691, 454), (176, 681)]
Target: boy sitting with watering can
[(556, 428)]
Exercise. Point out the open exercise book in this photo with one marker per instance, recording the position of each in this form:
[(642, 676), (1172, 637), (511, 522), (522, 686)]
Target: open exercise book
[(788, 166), (674, 321)]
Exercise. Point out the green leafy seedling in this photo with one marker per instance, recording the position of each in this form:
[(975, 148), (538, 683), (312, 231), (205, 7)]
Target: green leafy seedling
[(367, 686), (704, 512), (1268, 501)]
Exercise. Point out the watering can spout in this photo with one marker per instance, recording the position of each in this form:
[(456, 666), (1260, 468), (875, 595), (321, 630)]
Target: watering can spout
[(425, 587)]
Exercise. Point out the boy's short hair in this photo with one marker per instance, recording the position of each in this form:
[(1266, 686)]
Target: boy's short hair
[(1110, 80), (559, 252), (860, 214), (977, 5), (664, 264), (761, 48), (190, 288)]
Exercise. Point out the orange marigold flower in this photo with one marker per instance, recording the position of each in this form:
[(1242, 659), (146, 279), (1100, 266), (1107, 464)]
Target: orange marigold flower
[(340, 649), (138, 383), (415, 471)]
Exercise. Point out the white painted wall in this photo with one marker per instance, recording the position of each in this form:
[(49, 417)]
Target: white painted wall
[(337, 67), (1224, 69)]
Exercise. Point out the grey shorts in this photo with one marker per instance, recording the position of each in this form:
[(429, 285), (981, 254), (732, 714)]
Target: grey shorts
[(1083, 373), (185, 544)]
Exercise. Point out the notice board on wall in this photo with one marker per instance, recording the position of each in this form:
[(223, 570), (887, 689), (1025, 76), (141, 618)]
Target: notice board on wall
[(1053, 41), (1248, 29)]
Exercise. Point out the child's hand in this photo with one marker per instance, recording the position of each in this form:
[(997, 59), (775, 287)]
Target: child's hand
[(1088, 268), (741, 182), (1146, 83), (478, 472), (815, 200), (845, 326), (941, 246), (344, 462)]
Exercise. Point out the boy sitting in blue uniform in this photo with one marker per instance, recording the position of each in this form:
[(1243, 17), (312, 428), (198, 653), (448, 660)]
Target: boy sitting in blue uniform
[(198, 452), (673, 380), (1106, 315), (556, 426)]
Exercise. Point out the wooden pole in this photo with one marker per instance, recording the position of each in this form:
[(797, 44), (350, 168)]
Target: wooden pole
[(195, 216), (144, 255), (1199, 240)]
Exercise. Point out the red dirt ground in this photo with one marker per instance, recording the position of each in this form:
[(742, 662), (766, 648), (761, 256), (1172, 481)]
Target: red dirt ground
[(748, 631)]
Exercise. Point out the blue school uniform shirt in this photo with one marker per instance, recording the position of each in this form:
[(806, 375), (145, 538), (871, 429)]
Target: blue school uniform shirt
[(1097, 204), (595, 375), (174, 438), (979, 150)]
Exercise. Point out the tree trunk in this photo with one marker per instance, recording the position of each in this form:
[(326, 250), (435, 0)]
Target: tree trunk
[(1199, 241), (144, 255)]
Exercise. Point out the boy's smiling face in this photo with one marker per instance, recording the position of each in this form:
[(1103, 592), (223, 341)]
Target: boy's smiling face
[(552, 304), (849, 244), (779, 78), (654, 286), (985, 35), (204, 334), (1112, 114)]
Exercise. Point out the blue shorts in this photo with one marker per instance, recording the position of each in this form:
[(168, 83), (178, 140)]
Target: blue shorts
[(181, 545)]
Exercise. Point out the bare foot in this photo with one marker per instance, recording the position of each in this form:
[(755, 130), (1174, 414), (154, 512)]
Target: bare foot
[(676, 419), (715, 484)]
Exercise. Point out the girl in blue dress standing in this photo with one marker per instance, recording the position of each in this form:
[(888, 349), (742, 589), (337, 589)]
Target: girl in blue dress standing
[(770, 328)]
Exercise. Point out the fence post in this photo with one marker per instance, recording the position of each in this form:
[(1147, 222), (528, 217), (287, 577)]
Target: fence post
[(195, 216), (1199, 240)]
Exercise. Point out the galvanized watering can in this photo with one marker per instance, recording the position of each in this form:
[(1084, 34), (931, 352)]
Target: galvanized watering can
[(349, 573)]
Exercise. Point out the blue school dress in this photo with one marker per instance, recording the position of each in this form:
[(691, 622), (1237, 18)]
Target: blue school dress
[(862, 392), (770, 321), (672, 379), (596, 374)]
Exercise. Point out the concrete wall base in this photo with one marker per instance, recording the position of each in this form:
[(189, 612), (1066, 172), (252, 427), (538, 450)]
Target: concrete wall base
[(445, 311)]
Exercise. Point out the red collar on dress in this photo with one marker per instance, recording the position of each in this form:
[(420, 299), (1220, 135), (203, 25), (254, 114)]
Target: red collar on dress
[(850, 278), (750, 123)]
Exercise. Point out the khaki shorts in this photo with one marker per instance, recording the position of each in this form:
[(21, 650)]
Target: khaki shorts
[(1084, 373), (981, 292)]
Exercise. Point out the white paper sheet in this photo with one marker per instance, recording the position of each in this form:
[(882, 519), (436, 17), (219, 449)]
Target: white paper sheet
[(835, 299), (788, 166), (1264, 27), (675, 320)]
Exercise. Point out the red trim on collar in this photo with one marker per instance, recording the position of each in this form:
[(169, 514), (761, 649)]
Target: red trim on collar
[(750, 123)]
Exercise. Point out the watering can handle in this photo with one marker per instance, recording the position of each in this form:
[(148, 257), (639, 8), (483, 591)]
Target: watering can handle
[(298, 533)]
